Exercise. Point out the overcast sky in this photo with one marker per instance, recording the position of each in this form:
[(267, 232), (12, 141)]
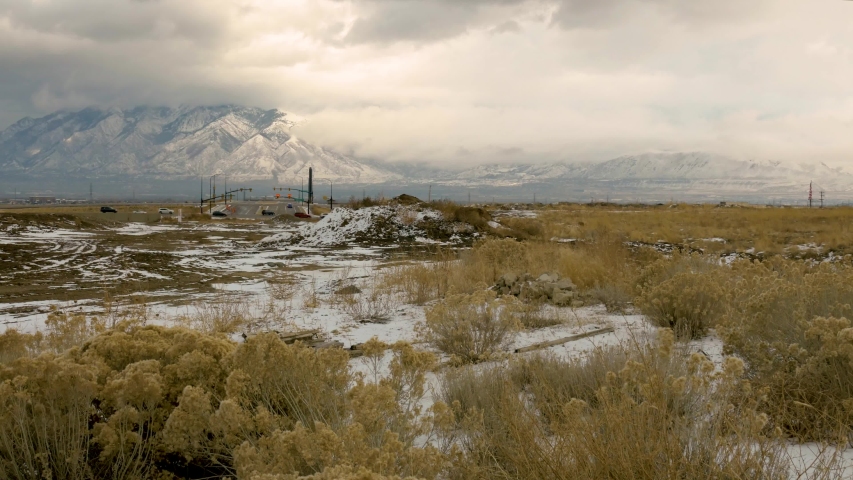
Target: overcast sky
[(461, 81)]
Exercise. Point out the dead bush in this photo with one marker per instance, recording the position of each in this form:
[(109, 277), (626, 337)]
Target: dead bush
[(614, 298), (532, 315), (471, 328), (14, 345), (523, 228), (654, 416), (368, 301), (688, 303), (791, 323)]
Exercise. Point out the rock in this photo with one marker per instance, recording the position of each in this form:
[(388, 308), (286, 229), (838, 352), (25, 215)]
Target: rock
[(548, 277), (562, 298), (565, 284), (515, 289), (509, 279), (504, 290)]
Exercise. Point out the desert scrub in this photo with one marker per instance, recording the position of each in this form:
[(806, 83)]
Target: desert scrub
[(791, 323), (155, 402), (471, 328), (601, 264), (640, 414), (367, 301), (686, 294), (533, 315)]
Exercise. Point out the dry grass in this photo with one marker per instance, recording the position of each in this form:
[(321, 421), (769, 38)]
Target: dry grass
[(608, 264), (646, 413), (110, 397), (768, 230)]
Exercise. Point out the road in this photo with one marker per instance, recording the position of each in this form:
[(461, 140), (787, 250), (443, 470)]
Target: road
[(253, 209)]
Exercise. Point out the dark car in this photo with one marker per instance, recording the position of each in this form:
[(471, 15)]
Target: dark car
[(267, 212), (108, 210), (219, 213), (301, 215)]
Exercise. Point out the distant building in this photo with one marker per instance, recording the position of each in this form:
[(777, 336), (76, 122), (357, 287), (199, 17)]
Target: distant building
[(42, 199)]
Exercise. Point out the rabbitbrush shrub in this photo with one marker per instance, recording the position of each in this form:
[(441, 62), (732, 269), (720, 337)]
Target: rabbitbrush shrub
[(658, 415), (156, 402), (685, 294), (790, 322), (471, 328)]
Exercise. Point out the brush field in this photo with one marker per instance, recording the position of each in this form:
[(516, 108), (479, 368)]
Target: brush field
[(669, 341)]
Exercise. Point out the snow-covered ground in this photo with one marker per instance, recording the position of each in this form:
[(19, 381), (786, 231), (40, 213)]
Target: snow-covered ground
[(287, 287)]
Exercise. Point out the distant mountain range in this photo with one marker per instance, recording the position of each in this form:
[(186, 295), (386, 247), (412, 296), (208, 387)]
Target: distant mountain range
[(252, 143), (248, 143)]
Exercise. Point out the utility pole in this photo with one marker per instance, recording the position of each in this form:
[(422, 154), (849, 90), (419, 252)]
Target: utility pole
[(91, 198), (810, 194), (429, 194), (534, 198), (821, 199), (469, 197)]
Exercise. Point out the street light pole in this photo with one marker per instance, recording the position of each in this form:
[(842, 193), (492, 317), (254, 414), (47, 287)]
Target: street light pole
[(331, 193), (213, 192)]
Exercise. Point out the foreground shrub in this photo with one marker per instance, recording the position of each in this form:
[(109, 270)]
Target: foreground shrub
[(471, 328), (657, 416), (685, 294), (155, 402), (791, 323)]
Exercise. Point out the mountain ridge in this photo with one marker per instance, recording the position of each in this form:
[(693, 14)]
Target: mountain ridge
[(252, 143), (243, 142)]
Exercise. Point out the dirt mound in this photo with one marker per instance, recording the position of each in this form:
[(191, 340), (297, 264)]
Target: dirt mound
[(406, 200), (380, 225)]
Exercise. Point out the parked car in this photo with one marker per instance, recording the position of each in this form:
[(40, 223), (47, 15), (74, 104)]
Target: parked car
[(219, 213), (301, 215), (267, 212), (108, 210), (166, 211)]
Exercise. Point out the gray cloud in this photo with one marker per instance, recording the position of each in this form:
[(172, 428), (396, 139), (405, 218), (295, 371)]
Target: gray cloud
[(436, 80)]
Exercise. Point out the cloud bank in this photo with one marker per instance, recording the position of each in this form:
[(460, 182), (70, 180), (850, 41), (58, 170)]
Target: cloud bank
[(460, 82)]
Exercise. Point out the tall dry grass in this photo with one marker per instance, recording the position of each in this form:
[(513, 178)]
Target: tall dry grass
[(608, 264), (647, 413)]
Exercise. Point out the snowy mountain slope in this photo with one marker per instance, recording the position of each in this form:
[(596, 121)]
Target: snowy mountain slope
[(680, 171), (248, 143), (256, 144)]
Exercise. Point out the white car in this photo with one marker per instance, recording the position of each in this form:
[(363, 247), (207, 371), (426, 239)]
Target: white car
[(166, 211)]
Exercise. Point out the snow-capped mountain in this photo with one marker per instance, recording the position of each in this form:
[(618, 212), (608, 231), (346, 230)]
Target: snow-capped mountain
[(242, 142), (673, 171), (255, 144)]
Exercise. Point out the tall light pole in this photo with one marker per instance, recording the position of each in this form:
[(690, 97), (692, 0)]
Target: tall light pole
[(211, 191), (331, 193)]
